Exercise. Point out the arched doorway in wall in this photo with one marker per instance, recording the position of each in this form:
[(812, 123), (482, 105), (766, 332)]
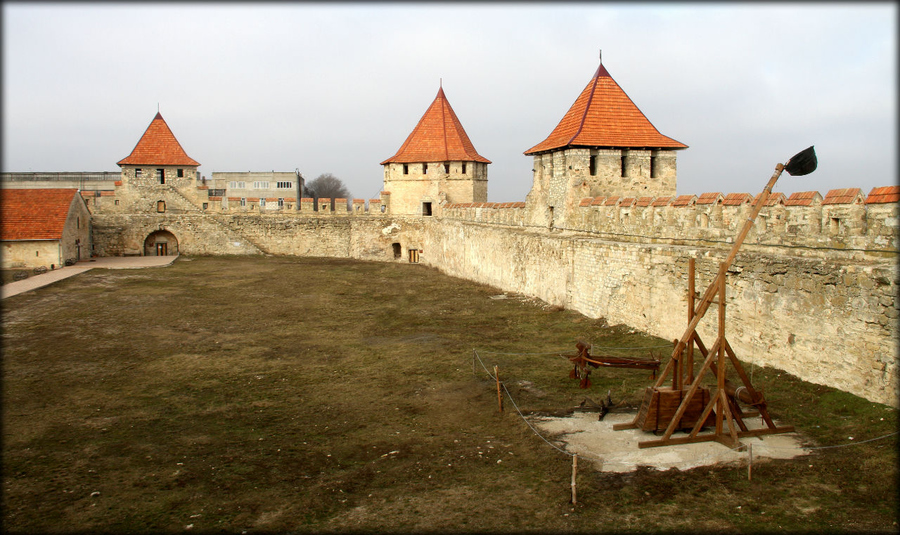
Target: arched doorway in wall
[(161, 243)]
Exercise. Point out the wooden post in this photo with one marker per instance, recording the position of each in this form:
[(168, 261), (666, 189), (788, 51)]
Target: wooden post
[(689, 361), (750, 466), (499, 395), (574, 473)]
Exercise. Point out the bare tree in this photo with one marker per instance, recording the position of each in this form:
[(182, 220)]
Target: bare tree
[(327, 185)]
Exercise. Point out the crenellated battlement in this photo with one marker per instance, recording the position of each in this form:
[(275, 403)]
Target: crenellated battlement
[(841, 220)]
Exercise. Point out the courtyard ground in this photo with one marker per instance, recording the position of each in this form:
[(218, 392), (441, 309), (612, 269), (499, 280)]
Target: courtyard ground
[(261, 394)]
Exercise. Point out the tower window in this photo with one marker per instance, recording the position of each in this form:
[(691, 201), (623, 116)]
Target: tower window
[(180, 173), (593, 165), (160, 206), (654, 167), (624, 169), (161, 175), (426, 208), (447, 168), (137, 172), (424, 168), (464, 168), (406, 169)]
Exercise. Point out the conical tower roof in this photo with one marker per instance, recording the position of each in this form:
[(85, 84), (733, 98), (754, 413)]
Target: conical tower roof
[(158, 146), (439, 137), (604, 116)]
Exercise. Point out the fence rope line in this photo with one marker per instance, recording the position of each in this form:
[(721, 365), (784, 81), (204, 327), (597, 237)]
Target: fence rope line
[(477, 357), (549, 354)]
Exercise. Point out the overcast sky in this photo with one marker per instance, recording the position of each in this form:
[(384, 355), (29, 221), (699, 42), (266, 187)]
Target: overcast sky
[(337, 88)]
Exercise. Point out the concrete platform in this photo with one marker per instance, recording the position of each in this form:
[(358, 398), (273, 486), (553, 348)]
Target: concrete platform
[(116, 262)]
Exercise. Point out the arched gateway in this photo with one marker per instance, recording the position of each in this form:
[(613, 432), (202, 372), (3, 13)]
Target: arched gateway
[(161, 243)]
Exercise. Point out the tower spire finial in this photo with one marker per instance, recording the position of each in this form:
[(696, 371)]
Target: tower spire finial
[(601, 56)]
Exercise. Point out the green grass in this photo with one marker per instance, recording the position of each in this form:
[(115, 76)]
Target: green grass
[(290, 394)]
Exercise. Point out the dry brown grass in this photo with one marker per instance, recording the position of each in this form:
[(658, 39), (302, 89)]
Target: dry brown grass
[(295, 394)]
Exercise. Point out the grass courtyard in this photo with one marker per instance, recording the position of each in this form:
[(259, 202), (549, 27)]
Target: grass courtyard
[(261, 394)]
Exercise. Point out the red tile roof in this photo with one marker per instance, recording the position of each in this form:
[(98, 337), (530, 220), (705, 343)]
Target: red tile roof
[(773, 199), (158, 146), (737, 199), (843, 196), (709, 198), (439, 137), (662, 201), (883, 195), (604, 116), (627, 202), (644, 201), (803, 198), (685, 200), (34, 214)]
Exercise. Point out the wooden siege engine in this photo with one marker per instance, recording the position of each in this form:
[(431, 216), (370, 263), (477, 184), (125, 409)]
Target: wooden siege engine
[(685, 405)]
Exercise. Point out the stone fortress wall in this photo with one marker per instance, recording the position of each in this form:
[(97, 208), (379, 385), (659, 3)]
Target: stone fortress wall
[(813, 290)]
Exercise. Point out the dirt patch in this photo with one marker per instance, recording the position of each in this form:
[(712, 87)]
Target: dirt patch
[(618, 451)]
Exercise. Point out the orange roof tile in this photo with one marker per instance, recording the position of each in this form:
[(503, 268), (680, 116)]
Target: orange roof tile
[(598, 201), (612, 200), (843, 196), (604, 116), (158, 146), (34, 214), (709, 198), (586, 201), (685, 200), (772, 200), (627, 202), (439, 137), (644, 201), (662, 201), (883, 195), (803, 198), (737, 199)]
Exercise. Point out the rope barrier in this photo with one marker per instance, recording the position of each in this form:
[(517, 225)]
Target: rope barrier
[(515, 405)]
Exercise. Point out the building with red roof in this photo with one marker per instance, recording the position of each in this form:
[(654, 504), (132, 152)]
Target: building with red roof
[(43, 228), (604, 145), (158, 157), (436, 165)]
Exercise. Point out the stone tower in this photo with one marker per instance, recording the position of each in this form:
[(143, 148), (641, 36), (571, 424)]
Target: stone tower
[(436, 165), (158, 181), (158, 159), (604, 145)]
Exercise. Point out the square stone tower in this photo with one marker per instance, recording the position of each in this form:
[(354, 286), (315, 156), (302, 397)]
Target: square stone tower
[(436, 165), (604, 145)]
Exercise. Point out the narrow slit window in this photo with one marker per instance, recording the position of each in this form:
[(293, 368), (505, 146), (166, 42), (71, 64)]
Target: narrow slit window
[(464, 168), (406, 169), (624, 167), (593, 165)]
